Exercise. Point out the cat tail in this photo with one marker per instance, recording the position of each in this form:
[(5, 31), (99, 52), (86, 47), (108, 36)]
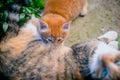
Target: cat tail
[(109, 36), (13, 15)]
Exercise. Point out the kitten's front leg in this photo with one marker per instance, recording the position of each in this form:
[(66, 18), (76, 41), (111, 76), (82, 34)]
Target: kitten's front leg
[(84, 10)]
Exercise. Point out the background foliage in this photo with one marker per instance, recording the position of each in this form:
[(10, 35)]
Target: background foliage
[(28, 8), (118, 42)]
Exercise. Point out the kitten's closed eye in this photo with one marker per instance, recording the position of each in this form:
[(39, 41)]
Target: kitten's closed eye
[(117, 63), (50, 39)]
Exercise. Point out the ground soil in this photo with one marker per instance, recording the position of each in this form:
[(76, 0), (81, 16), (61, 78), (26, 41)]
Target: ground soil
[(102, 16)]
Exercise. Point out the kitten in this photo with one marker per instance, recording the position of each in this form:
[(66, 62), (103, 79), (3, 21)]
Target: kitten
[(57, 16), (98, 59), (105, 63), (24, 57)]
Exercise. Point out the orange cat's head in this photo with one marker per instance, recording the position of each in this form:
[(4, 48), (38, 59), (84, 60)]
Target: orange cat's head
[(53, 29)]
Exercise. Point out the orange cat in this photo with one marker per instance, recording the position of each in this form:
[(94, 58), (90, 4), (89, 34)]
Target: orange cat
[(57, 15)]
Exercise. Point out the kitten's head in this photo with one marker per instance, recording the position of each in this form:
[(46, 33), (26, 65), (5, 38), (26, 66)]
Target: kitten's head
[(110, 67), (53, 31)]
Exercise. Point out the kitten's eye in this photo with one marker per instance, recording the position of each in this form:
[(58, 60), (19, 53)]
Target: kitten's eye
[(50, 39), (117, 63)]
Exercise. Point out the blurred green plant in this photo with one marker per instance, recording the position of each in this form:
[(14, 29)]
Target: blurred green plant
[(28, 8), (118, 42)]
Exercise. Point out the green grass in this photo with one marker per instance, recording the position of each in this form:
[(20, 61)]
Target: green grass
[(94, 24)]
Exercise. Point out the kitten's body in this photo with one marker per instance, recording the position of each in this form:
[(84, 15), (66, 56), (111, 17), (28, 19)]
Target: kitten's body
[(25, 57), (69, 10), (53, 26), (98, 59), (57, 16)]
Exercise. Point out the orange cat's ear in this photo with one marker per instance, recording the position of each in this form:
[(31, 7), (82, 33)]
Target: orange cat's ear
[(43, 26), (66, 26)]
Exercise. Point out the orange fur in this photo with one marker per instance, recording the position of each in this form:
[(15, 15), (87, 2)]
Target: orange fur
[(59, 12), (18, 43), (55, 22), (69, 9)]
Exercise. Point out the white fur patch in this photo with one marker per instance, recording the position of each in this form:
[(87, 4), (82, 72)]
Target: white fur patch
[(110, 35), (31, 27), (114, 44), (102, 49)]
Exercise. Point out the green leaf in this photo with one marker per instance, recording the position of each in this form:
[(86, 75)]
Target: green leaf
[(31, 2), (27, 2), (37, 15), (1, 4), (39, 3), (1, 15), (22, 15), (5, 14), (5, 26), (22, 21), (10, 1), (28, 10)]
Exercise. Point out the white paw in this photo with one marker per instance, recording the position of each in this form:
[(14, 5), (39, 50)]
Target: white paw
[(110, 35)]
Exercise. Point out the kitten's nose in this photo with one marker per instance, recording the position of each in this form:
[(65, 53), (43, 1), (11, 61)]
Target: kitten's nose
[(59, 40)]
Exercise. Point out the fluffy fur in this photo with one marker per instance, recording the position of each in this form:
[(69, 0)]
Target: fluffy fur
[(95, 57), (98, 61), (25, 57), (57, 16)]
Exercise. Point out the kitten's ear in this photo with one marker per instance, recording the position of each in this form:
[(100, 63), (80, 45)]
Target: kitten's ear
[(66, 26), (43, 26)]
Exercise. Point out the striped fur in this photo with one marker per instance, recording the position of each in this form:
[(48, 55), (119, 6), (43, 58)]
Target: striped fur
[(25, 57), (94, 57), (13, 16)]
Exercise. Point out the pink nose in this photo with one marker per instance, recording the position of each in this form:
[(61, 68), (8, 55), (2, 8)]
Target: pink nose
[(58, 41)]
